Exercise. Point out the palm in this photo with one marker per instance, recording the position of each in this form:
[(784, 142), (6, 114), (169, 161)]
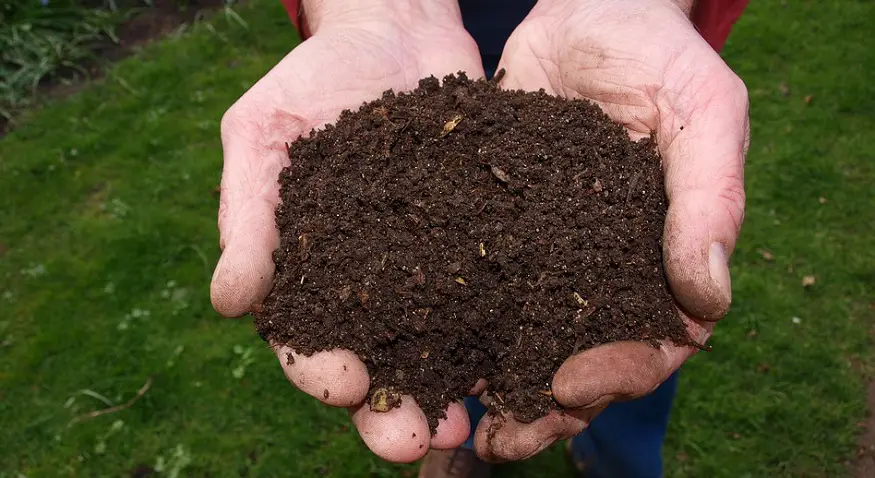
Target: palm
[(328, 73)]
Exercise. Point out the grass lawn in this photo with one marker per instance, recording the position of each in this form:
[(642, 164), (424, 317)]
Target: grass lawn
[(108, 239)]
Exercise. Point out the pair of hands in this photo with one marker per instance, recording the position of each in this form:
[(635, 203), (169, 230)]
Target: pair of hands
[(642, 61)]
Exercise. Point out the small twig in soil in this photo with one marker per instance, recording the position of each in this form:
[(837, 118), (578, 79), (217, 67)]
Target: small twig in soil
[(382, 111), (404, 128), (702, 347), (303, 242), (482, 208), (632, 185), (96, 413)]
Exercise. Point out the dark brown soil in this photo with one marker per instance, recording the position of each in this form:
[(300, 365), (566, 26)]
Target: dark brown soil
[(461, 231)]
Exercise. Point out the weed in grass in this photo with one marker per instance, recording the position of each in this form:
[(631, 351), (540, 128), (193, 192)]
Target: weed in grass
[(176, 461), (47, 41)]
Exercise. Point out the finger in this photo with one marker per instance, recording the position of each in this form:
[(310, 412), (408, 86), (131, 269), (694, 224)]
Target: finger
[(452, 431), (704, 174), (337, 377), (621, 371), (400, 435), (501, 438)]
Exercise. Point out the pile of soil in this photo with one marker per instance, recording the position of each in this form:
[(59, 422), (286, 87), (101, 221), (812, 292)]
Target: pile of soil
[(460, 232)]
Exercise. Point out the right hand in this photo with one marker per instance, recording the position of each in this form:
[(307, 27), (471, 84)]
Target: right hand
[(354, 55)]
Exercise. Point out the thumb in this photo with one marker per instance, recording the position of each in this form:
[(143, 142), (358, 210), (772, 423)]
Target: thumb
[(254, 154), (704, 169), (245, 270)]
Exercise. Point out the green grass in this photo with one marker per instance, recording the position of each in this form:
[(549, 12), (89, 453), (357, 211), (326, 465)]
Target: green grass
[(108, 238)]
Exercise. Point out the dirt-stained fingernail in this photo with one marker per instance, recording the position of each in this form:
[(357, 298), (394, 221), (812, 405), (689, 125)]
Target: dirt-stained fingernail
[(718, 268)]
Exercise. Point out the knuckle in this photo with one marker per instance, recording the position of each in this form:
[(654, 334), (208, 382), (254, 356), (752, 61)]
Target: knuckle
[(231, 119), (733, 87)]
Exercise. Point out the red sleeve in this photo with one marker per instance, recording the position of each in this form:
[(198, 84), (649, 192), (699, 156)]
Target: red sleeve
[(292, 7), (713, 18)]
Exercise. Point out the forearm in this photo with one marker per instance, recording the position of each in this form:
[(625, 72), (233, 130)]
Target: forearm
[(318, 14)]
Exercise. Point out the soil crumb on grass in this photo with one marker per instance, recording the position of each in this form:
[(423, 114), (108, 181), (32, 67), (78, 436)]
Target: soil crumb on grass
[(460, 231)]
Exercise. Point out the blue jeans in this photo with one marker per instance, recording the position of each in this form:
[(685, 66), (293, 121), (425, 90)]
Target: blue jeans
[(624, 441)]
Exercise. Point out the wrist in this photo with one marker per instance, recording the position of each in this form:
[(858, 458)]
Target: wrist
[(316, 15), (562, 8)]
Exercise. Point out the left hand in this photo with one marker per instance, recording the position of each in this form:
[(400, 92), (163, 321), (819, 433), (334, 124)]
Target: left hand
[(646, 66)]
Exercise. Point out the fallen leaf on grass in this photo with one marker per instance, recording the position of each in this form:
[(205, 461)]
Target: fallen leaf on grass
[(763, 368), (784, 89), (808, 99), (767, 255), (822, 200), (808, 281)]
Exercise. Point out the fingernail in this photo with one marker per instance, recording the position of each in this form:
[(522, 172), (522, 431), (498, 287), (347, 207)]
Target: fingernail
[(602, 401), (718, 267)]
